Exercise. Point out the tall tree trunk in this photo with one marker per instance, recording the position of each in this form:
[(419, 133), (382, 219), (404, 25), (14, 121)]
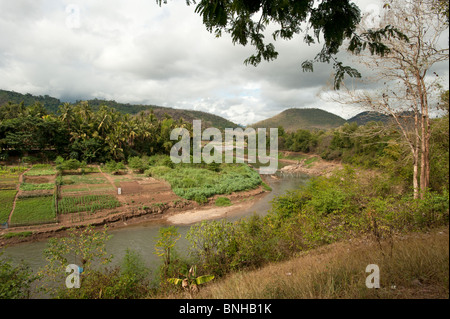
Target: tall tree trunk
[(425, 134), (416, 157)]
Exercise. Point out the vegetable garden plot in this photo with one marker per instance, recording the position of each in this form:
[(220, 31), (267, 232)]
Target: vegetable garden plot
[(88, 203), (89, 189), (91, 178), (33, 210), (41, 170), (8, 180)]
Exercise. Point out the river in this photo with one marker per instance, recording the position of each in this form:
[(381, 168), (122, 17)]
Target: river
[(141, 238)]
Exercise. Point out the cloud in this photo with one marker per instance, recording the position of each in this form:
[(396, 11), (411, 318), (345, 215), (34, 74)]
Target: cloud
[(137, 52)]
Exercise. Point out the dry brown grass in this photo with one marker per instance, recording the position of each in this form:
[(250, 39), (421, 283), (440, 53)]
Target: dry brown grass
[(417, 268)]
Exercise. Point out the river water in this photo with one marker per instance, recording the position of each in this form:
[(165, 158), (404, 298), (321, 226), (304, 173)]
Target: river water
[(141, 238)]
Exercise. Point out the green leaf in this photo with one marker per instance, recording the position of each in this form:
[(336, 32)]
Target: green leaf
[(175, 281), (204, 279)]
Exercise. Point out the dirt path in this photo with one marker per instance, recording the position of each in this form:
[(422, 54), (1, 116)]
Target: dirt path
[(17, 195), (111, 181)]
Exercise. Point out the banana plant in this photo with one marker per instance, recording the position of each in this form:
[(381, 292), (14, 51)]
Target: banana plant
[(190, 282)]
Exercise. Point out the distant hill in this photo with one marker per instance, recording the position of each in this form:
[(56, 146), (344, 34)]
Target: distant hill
[(307, 119), (51, 104), (369, 116)]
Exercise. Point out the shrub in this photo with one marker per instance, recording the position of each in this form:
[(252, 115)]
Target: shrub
[(70, 164), (137, 164), (212, 244), (114, 167)]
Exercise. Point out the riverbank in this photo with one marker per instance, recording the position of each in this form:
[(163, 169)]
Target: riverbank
[(177, 212), (312, 165)]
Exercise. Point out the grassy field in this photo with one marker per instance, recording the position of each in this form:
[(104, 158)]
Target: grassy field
[(417, 268), (6, 203), (33, 210)]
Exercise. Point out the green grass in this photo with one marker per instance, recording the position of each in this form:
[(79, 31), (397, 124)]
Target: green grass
[(310, 161), (34, 187), (89, 203), (194, 182), (6, 203), (223, 202), (33, 210), (281, 155), (19, 234), (266, 187)]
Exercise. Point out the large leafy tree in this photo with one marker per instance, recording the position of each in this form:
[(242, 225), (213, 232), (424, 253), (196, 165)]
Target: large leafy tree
[(333, 23)]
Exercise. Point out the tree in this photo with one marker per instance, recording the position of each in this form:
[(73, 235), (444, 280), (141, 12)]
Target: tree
[(15, 281), (332, 22), (83, 247), (409, 87), (166, 240)]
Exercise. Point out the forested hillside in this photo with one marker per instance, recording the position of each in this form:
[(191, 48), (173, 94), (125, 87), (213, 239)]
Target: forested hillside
[(52, 104)]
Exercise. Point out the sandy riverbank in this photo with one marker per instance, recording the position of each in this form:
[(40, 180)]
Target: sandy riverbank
[(173, 213)]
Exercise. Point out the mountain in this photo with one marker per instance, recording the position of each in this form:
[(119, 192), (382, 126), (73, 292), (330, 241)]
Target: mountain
[(369, 116), (307, 119), (51, 104)]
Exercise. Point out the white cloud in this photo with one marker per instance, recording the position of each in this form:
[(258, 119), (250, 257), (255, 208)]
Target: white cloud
[(137, 52)]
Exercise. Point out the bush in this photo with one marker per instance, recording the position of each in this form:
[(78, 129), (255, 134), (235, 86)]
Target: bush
[(70, 164), (114, 167), (137, 164), (212, 244), (15, 281)]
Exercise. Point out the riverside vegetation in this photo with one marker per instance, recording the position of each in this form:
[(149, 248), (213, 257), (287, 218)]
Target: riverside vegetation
[(370, 199), (362, 202)]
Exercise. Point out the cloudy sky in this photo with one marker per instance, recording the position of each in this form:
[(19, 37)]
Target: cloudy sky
[(137, 52)]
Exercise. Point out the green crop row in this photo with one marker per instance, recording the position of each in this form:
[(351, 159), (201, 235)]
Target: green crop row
[(89, 203), (34, 187)]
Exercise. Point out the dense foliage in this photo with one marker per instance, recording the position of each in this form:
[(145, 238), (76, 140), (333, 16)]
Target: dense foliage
[(343, 206), (80, 133), (375, 146)]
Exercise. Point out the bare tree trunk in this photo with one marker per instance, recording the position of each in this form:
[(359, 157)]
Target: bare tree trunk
[(425, 133), (416, 158)]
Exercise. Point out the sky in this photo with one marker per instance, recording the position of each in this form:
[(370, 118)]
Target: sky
[(140, 53)]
